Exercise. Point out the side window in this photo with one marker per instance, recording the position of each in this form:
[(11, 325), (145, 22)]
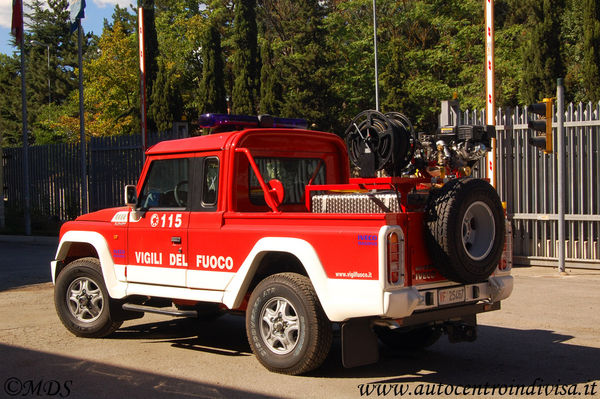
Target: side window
[(210, 182), (166, 184)]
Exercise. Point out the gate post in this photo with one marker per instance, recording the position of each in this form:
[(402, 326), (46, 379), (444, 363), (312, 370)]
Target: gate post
[(560, 144)]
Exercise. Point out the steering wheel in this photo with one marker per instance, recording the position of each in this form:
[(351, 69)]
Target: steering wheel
[(181, 202)]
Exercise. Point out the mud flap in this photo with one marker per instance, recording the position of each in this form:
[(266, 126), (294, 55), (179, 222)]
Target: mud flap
[(359, 343)]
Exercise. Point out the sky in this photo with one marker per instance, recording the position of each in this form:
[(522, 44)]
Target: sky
[(95, 12)]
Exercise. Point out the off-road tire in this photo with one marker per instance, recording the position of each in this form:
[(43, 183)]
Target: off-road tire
[(409, 340), (464, 229), (287, 298), (90, 315)]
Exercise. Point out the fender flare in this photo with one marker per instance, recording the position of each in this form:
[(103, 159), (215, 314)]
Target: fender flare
[(116, 289), (301, 249)]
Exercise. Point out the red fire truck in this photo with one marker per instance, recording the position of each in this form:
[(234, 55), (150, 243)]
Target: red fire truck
[(266, 218)]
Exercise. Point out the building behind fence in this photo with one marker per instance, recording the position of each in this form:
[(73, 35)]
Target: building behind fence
[(526, 182)]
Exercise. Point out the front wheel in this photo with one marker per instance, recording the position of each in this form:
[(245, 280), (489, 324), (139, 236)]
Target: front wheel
[(82, 301), (287, 329)]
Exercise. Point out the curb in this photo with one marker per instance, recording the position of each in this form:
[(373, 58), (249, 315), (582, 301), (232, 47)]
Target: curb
[(37, 240)]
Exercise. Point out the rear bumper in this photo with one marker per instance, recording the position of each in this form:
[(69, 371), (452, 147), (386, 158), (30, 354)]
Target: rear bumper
[(404, 302)]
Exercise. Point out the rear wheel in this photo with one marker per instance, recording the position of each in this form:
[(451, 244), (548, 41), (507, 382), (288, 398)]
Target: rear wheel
[(465, 229), (82, 301), (287, 329)]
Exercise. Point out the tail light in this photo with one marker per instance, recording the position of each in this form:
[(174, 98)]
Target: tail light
[(395, 258)]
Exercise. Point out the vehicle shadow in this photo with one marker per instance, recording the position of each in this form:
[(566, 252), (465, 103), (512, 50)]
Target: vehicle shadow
[(499, 356), (225, 336), (34, 373)]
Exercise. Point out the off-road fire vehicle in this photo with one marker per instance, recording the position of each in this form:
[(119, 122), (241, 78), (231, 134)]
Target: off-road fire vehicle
[(382, 233)]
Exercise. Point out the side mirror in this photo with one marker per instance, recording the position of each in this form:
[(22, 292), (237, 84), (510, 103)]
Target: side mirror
[(130, 196), (276, 191)]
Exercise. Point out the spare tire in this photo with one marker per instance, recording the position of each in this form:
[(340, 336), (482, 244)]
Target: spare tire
[(464, 229)]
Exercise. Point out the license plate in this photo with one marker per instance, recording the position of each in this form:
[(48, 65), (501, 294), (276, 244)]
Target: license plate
[(451, 295)]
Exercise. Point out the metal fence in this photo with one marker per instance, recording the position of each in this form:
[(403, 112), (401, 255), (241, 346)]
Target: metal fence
[(55, 174), (527, 181)]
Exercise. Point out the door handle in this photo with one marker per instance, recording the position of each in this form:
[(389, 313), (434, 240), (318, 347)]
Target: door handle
[(176, 240)]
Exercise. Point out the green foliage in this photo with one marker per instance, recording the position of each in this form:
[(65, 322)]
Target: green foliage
[(542, 63), (10, 101), (302, 59), (243, 96), (111, 86), (212, 87), (180, 25), (122, 16), (166, 103), (591, 49), (270, 89)]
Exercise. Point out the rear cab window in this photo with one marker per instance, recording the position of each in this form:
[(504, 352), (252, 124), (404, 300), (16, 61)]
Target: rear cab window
[(293, 173)]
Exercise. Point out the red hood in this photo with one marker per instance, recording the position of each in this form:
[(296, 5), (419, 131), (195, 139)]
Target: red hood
[(104, 215)]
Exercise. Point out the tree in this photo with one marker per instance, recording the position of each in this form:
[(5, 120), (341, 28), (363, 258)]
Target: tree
[(270, 87), (179, 24), (591, 49), (302, 59), (430, 50), (111, 89), (542, 63), (212, 86), (10, 101), (166, 103), (245, 58), (350, 39), (122, 16)]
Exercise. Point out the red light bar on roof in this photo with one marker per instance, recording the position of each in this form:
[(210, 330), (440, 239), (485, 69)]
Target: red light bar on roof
[(213, 121)]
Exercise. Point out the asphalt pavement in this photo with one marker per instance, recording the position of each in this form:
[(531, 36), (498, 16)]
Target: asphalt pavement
[(25, 260)]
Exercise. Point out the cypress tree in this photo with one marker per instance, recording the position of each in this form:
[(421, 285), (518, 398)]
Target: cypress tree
[(542, 63), (212, 86), (245, 57), (270, 88), (591, 49), (166, 102)]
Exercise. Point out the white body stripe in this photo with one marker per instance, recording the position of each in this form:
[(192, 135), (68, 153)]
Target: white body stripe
[(210, 280), (341, 299), (153, 275)]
